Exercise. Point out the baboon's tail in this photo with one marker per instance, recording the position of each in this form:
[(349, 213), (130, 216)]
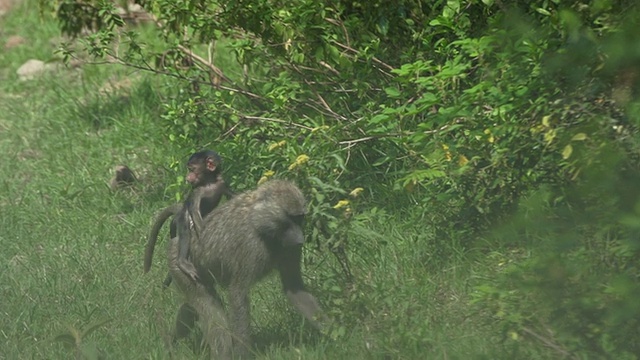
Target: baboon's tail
[(155, 230)]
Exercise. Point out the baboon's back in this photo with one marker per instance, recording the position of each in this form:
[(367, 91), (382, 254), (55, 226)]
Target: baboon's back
[(231, 235)]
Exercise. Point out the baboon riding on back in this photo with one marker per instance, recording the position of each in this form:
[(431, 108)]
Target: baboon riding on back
[(241, 242)]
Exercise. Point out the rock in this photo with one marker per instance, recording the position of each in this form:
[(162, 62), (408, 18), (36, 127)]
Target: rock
[(135, 8), (32, 68)]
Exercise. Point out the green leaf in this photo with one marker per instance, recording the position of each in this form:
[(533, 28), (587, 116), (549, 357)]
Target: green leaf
[(378, 119), (340, 161), (392, 92), (579, 137), (566, 152), (383, 26), (543, 11)]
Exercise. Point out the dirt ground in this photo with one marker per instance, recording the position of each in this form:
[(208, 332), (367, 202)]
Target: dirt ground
[(6, 5)]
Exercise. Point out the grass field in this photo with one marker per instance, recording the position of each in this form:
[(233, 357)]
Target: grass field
[(72, 249)]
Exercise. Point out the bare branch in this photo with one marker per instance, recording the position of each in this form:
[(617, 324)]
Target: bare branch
[(344, 29), (350, 143), (230, 130), (191, 54), (336, 72), (113, 59), (277, 121), (322, 101), (376, 60), (204, 62)]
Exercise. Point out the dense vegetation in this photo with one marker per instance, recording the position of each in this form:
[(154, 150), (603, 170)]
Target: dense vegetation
[(472, 168)]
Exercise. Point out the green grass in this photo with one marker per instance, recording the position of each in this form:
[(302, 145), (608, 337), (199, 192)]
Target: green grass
[(72, 249)]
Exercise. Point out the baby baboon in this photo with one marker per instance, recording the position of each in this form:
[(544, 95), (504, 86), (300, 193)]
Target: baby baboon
[(242, 241), (208, 186), (123, 177)]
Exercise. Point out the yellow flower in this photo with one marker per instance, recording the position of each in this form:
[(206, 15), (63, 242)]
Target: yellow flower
[(355, 192), (491, 138), (277, 145), (341, 204), (447, 153), (300, 160), (448, 156), (266, 176), (462, 160)]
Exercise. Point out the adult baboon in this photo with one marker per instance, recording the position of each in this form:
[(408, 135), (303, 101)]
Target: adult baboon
[(201, 302), (242, 241)]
